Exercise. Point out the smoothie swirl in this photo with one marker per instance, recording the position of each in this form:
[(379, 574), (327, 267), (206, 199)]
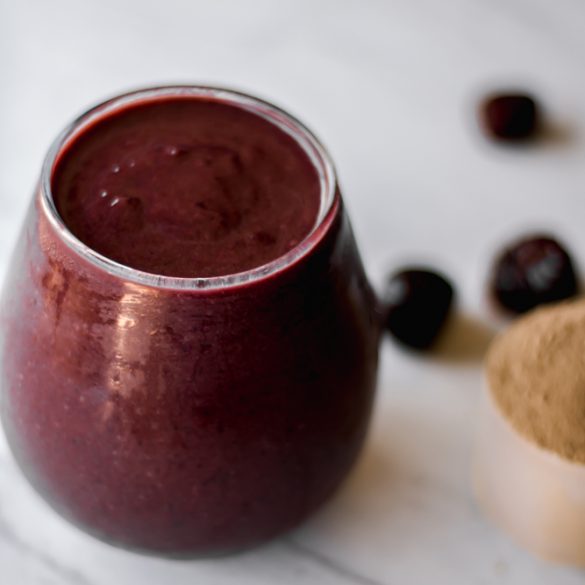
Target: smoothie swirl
[(187, 188)]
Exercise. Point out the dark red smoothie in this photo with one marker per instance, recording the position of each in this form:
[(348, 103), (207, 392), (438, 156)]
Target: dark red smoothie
[(185, 416), (189, 188)]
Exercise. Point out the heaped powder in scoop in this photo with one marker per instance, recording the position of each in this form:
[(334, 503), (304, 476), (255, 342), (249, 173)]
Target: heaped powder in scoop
[(536, 373)]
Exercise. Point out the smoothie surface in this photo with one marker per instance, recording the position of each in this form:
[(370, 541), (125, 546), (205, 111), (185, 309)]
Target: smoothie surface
[(187, 187)]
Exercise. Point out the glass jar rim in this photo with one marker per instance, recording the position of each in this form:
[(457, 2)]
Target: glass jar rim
[(312, 147)]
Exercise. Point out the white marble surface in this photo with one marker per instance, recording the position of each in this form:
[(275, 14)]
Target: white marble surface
[(390, 86)]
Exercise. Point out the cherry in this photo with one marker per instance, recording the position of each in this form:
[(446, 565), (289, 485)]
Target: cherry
[(510, 116), (417, 304), (531, 272)]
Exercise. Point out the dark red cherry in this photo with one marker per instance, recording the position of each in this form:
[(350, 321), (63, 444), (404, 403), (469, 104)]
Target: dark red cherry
[(510, 116), (531, 272), (417, 304)]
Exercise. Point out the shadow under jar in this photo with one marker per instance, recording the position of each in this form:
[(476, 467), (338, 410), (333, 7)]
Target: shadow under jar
[(186, 415)]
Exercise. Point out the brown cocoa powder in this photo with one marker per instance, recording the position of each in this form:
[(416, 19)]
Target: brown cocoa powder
[(536, 374)]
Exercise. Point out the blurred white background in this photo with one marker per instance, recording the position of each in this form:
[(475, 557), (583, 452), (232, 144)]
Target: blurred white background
[(391, 88)]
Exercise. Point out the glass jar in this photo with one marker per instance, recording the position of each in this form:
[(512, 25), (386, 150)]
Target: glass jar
[(187, 416)]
